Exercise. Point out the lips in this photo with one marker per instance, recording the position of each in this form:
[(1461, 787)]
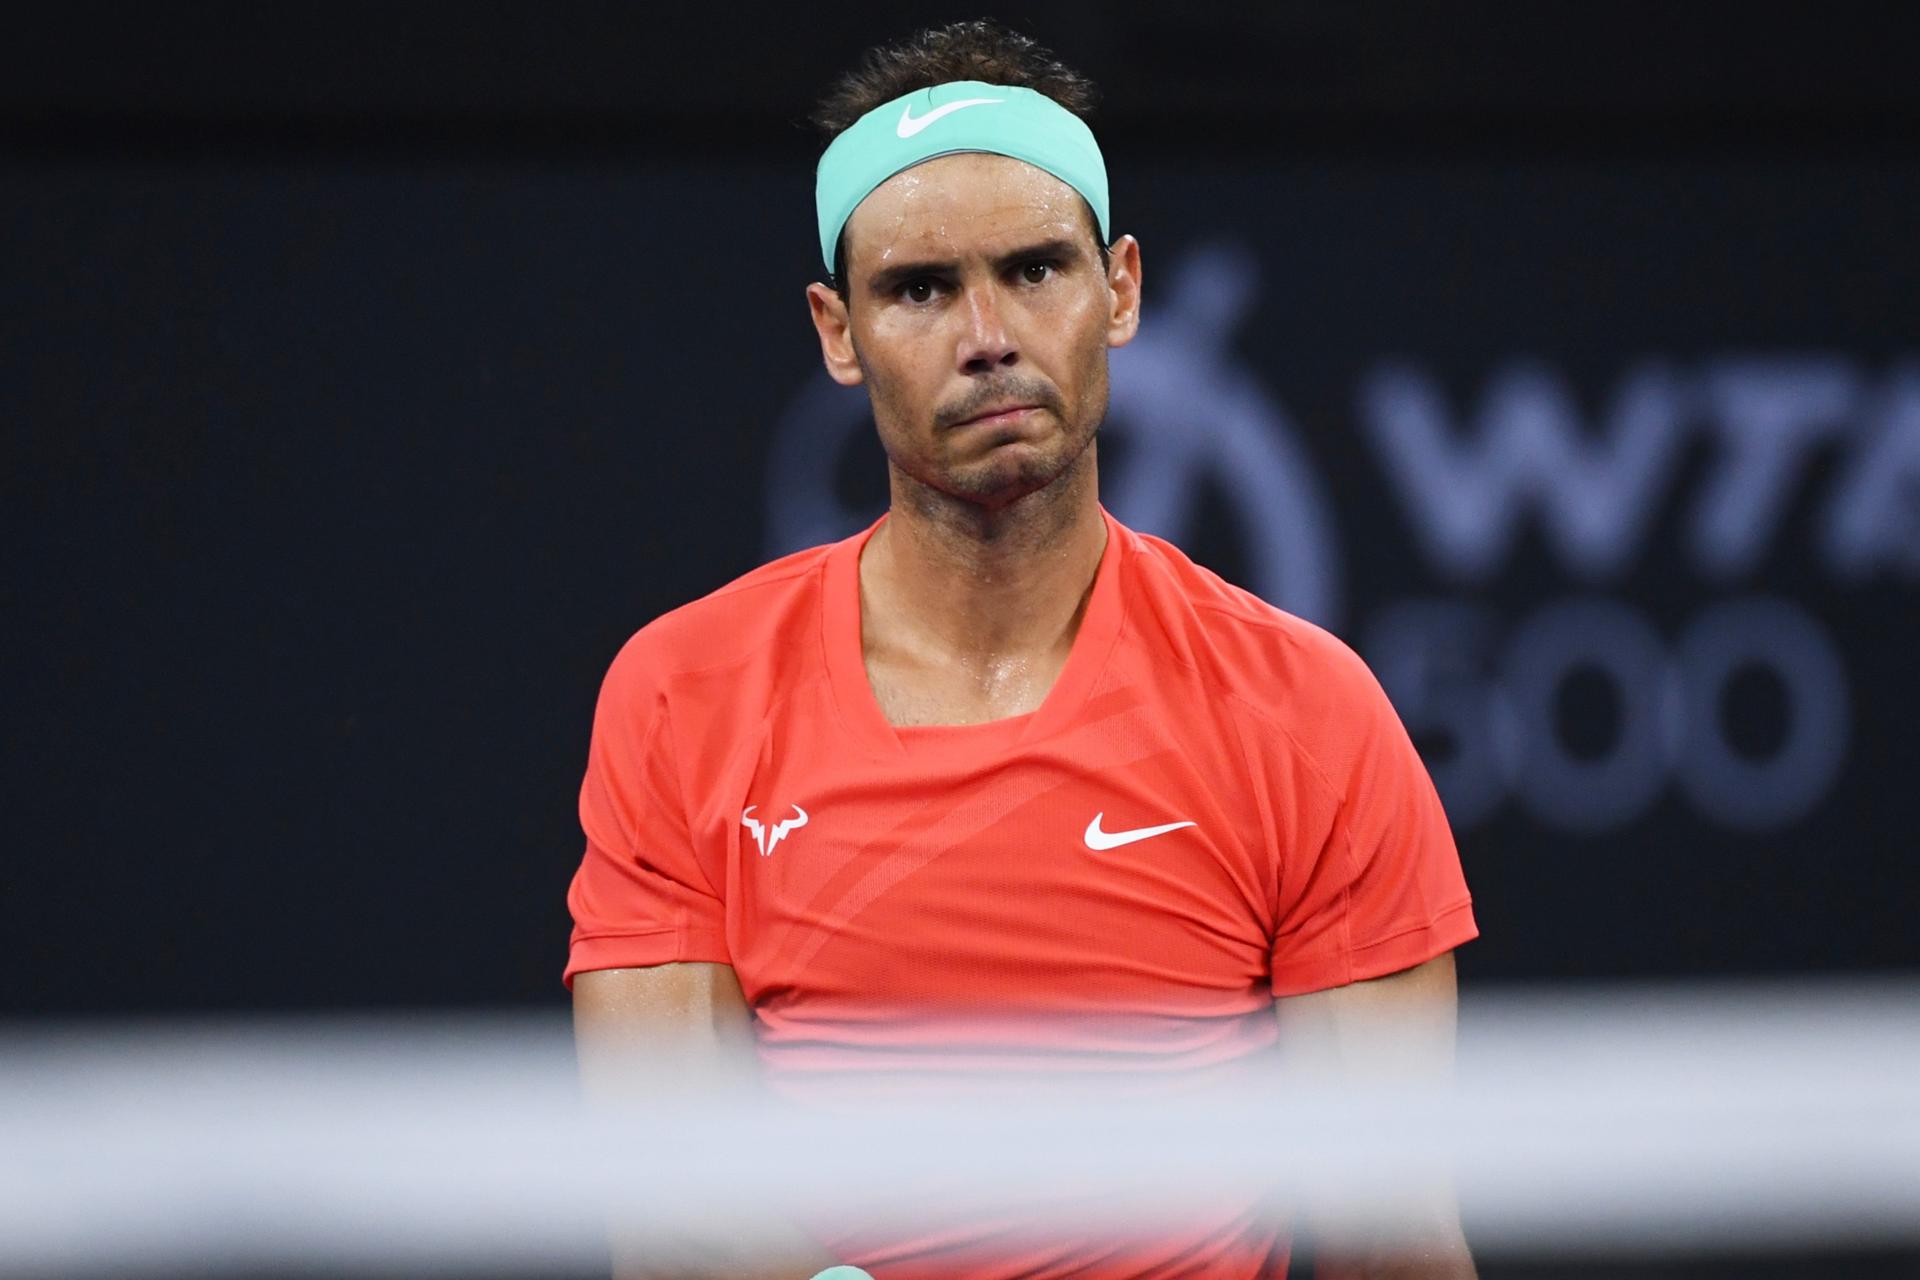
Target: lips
[(999, 411)]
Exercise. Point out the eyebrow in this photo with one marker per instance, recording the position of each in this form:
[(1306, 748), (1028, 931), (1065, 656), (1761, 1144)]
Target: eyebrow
[(889, 279)]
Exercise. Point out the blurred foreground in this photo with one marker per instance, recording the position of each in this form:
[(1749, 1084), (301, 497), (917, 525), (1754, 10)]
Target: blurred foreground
[(1662, 1124)]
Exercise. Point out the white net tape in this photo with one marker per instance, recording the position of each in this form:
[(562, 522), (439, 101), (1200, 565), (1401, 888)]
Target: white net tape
[(1621, 1119)]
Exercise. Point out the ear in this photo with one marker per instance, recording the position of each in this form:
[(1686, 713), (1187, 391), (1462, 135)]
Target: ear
[(1123, 287), (836, 339)]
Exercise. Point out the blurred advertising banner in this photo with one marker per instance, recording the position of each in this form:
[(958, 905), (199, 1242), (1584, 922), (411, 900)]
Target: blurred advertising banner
[(1613, 477), (345, 481)]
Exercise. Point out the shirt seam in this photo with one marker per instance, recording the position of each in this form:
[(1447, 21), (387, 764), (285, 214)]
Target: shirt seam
[(798, 571), (1227, 691), (1433, 920), (1319, 770), (1285, 628), (675, 671), (680, 796), (600, 934)]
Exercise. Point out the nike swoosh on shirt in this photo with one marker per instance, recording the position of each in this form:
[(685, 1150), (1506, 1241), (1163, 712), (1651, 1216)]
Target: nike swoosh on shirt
[(1098, 839), (909, 126)]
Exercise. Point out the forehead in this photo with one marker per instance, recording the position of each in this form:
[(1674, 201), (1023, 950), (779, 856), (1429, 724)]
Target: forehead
[(963, 205)]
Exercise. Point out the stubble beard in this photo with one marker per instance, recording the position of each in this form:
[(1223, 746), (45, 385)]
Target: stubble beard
[(1011, 476), (1010, 470)]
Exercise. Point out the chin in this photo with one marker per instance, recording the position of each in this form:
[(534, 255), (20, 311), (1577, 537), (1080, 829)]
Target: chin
[(1010, 474)]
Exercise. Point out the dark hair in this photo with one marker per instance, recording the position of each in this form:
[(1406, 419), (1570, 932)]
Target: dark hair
[(978, 50)]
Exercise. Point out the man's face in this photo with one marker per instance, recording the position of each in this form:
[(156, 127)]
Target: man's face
[(978, 314)]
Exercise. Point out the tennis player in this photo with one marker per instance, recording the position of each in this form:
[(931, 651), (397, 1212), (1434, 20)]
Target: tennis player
[(998, 774)]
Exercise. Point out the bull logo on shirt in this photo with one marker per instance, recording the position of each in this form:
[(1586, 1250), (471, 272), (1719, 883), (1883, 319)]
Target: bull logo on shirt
[(760, 835)]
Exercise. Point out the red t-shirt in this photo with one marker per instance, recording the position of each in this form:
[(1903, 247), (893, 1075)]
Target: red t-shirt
[(1215, 806)]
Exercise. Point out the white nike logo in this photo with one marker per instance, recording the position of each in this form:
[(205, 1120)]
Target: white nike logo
[(909, 126), (1098, 839)]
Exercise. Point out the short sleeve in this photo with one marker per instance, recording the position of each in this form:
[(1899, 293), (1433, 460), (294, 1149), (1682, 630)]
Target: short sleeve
[(1384, 891), (640, 896)]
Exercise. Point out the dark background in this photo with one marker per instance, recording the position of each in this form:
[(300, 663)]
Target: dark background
[(369, 372)]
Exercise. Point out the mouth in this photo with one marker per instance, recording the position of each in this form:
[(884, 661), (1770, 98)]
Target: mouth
[(1000, 415)]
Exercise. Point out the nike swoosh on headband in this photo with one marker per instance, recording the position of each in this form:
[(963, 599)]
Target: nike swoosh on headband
[(909, 126), (895, 136)]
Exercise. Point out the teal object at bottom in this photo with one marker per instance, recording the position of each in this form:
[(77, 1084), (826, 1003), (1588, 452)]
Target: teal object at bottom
[(842, 1273)]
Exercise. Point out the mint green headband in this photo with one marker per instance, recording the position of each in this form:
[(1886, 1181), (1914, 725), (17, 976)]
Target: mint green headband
[(965, 115)]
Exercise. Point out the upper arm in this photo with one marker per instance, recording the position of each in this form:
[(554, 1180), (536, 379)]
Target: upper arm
[(680, 1026), (690, 1019), (1401, 1024), (1394, 1031)]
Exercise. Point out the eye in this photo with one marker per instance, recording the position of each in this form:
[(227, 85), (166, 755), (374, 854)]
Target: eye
[(1036, 272), (918, 290)]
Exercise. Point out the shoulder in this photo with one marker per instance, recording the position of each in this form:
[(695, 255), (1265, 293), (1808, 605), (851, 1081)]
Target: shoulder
[(1204, 618), (763, 614), (1275, 665)]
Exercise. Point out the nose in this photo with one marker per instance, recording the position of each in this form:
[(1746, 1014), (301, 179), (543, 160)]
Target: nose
[(985, 343)]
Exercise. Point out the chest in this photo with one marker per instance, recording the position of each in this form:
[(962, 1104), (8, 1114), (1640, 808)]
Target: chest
[(1117, 865), (954, 694)]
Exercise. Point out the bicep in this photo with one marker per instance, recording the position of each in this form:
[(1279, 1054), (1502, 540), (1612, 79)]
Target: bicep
[(1395, 1031), (683, 1018), (1400, 1024)]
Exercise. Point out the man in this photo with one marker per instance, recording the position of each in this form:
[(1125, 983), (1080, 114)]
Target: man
[(998, 773)]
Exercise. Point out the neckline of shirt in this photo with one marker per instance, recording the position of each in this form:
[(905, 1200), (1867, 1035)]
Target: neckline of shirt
[(947, 739), (860, 710)]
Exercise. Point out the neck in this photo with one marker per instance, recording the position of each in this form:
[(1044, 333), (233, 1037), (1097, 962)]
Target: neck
[(957, 582)]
